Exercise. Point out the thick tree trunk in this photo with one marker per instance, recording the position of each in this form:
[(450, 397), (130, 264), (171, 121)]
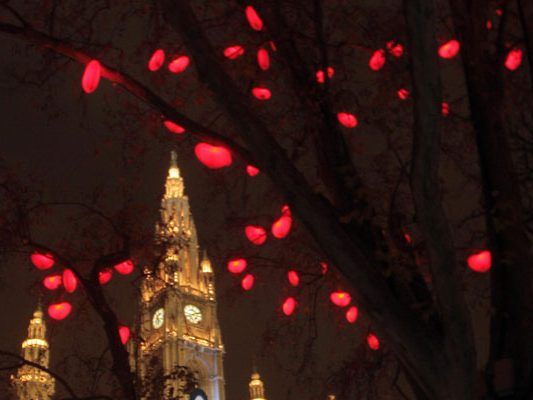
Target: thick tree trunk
[(459, 347), (511, 275)]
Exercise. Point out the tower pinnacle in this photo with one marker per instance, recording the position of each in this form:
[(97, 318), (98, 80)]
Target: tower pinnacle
[(174, 184), (31, 382), (257, 388)]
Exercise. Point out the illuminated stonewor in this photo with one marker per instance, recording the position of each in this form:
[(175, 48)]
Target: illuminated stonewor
[(257, 388), (32, 383), (178, 322)]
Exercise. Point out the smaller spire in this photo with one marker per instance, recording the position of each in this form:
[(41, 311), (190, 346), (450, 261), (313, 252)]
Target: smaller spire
[(173, 171), (256, 386), (173, 159), (206, 264), (174, 184)]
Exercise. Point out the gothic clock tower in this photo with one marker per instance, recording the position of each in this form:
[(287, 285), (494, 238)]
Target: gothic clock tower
[(178, 323)]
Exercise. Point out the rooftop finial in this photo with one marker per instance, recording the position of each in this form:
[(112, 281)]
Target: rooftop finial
[(173, 159), (173, 171)]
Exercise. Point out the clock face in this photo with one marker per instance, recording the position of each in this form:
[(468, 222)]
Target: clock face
[(158, 318), (192, 313)]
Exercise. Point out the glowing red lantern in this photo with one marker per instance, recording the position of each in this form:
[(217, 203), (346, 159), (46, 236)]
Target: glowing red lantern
[(282, 226), (288, 306), (352, 314), (403, 94), (70, 282), (105, 275), (91, 76), (124, 333), (445, 109), (251, 170), (247, 282), (513, 59), (449, 49), (489, 24), (253, 18), (499, 12), (173, 127), (59, 311), (237, 265), (261, 93), (179, 64), (347, 120), (293, 277), (377, 60), (395, 49), (213, 157), (125, 267), (372, 341), (255, 234), (233, 52), (480, 262), (340, 299), (42, 261), (52, 282), (324, 268), (320, 74), (157, 60), (407, 238), (263, 59)]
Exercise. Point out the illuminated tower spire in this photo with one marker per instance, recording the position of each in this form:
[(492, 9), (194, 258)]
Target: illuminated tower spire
[(176, 233), (32, 383), (257, 388)]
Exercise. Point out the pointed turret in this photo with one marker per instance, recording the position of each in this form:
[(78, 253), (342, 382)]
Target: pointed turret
[(31, 382), (257, 388)]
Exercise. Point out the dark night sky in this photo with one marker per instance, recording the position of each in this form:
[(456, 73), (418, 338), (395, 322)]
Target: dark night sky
[(81, 148), (69, 145)]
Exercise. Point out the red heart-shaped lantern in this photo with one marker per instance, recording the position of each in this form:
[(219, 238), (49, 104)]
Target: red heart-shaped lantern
[(173, 127), (91, 76), (125, 267), (513, 59), (449, 49), (70, 282), (377, 60), (213, 157), (347, 120), (237, 265), (157, 60), (352, 314), (247, 282), (293, 278), (340, 299), (124, 333), (179, 64), (480, 262), (255, 234), (233, 52), (372, 341), (52, 282), (105, 275), (253, 18), (59, 311), (288, 306), (42, 261)]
